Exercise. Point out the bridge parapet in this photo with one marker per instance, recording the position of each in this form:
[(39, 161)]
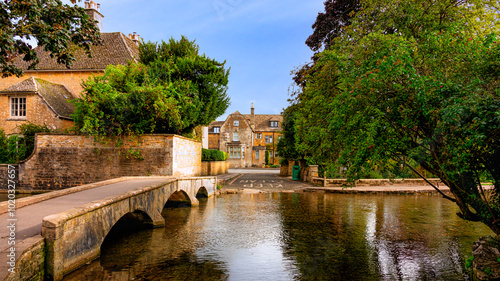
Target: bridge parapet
[(74, 237)]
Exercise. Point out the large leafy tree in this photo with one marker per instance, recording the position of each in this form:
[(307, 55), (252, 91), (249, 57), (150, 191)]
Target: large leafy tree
[(50, 23), (411, 80), (173, 90)]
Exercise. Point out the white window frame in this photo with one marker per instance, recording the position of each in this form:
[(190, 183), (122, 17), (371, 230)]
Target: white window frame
[(17, 109), (257, 154), (275, 123), (216, 129), (234, 152), (258, 135), (269, 139), (236, 136), (236, 123)]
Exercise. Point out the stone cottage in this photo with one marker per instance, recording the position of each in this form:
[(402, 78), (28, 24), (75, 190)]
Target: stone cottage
[(116, 49), (247, 137), (37, 101)]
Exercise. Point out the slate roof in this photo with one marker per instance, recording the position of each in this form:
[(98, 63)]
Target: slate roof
[(116, 48), (262, 122), (56, 96), (215, 124)]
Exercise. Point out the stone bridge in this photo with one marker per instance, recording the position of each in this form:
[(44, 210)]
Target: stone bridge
[(74, 237)]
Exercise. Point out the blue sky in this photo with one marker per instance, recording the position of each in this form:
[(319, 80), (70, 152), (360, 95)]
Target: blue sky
[(261, 40)]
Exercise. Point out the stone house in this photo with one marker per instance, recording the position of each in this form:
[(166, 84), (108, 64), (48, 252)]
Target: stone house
[(37, 101), (246, 138), (116, 49)]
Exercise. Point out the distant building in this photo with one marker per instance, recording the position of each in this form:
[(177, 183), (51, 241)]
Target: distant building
[(246, 138)]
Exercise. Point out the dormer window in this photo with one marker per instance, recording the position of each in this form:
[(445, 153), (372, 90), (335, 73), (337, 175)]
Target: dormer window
[(216, 129), (273, 124), (236, 123)]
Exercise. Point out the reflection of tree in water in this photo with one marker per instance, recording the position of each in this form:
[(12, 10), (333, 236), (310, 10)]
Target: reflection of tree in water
[(364, 237), (184, 267), (324, 244)]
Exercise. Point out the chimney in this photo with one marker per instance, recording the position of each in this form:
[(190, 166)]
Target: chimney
[(252, 117), (93, 10), (135, 37)]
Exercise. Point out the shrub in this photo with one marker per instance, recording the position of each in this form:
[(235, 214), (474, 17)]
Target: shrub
[(267, 157), (213, 155), (16, 148)]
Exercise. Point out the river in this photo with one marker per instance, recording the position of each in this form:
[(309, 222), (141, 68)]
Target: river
[(295, 236)]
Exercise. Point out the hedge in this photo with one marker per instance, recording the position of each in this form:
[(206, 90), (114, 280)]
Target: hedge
[(213, 155)]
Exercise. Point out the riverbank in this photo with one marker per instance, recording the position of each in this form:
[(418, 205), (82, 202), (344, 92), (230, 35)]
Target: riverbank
[(247, 181)]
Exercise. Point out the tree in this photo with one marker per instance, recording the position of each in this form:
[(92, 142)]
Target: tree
[(53, 25), (419, 82), (329, 24), (172, 90), (286, 145)]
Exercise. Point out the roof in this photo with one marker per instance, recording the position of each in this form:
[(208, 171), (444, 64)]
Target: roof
[(262, 122), (215, 124), (115, 49), (56, 96)]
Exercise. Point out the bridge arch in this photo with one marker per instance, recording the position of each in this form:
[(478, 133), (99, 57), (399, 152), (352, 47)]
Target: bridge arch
[(178, 198), (202, 192), (75, 236)]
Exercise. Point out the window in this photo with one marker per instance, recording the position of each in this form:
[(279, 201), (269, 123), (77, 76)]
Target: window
[(216, 129), (234, 152), (242, 152), (269, 139), (17, 107), (274, 124), (236, 136), (257, 154), (258, 135), (236, 123)]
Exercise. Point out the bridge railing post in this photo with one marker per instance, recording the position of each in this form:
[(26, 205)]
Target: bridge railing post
[(54, 260)]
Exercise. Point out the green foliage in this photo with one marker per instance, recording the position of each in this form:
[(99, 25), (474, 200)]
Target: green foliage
[(213, 155), (28, 131), (409, 81), (469, 261), (274, 166), (267, 156), (12, 149), (15, 148), (286, 145), (54, 26), (172, 90)]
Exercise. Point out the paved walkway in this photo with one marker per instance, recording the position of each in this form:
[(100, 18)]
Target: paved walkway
[(268, 180), (29, 218)]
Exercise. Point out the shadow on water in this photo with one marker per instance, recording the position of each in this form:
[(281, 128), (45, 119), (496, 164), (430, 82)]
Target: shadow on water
[(134, 251)]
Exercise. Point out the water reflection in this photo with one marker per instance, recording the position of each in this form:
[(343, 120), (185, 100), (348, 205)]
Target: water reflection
[(298, 236)]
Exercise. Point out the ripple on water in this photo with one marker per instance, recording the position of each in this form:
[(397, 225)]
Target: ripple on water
[(292, 236)]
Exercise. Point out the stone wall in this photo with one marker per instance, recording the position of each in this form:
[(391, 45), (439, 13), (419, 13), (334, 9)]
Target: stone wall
[(4, 175), (186, 157), (31, 263), (62, 161), (286, 169), (213, 168), (373, 182)]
